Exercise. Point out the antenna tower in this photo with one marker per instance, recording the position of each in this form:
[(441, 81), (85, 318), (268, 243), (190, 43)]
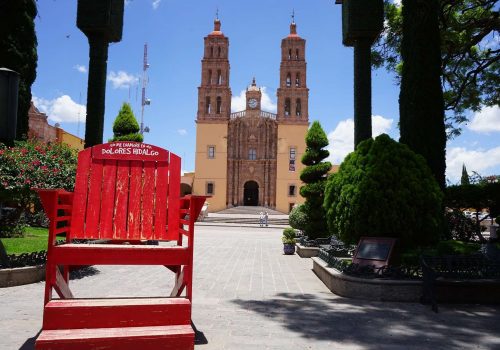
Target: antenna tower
[(145, 101)]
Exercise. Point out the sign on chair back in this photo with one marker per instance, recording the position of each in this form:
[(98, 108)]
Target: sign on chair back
[(125, 192)]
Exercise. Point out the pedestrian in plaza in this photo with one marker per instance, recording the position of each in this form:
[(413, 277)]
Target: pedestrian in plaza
[(266, 217), (261, 219)]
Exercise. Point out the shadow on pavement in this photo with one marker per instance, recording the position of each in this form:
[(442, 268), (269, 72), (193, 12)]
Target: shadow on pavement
[(379, 325), (30, 343), (84, 271)]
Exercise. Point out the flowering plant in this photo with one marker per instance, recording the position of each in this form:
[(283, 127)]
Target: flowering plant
[(32, 164)]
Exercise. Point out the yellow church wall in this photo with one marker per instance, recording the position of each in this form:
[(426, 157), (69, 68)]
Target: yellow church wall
[(289, 136), (211, 170)]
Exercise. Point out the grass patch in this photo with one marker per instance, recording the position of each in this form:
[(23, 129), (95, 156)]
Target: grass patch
[(34, 240)]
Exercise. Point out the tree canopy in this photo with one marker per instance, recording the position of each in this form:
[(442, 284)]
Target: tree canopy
[(470, 52), (125, 126)]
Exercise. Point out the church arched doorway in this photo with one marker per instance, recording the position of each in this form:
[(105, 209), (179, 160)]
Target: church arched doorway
[(251, 193)]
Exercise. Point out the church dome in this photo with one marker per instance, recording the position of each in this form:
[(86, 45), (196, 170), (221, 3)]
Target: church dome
[(254, 86)]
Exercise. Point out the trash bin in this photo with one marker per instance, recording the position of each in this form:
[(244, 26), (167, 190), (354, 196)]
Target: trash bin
[(9, 87)]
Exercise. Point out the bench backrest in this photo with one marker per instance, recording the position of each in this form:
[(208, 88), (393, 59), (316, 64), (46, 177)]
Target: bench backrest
[(126, 191)]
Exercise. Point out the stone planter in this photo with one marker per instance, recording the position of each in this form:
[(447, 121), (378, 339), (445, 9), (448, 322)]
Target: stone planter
[(21, 275), (307, 252)]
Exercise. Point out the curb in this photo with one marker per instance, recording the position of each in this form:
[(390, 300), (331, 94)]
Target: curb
[(21, 275)]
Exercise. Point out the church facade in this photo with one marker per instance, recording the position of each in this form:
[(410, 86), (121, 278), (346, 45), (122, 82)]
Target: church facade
[(250, 157)]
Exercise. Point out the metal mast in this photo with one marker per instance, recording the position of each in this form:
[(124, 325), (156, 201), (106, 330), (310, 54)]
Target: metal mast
[(144, 101)]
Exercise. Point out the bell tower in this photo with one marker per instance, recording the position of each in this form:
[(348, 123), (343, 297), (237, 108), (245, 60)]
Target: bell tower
[(214, 109), (214, 94), (293, 94)]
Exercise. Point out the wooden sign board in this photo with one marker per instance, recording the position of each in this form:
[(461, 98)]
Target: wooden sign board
[(376, 251)]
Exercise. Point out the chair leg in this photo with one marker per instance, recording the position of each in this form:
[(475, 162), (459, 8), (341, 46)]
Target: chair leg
[(50, 271)]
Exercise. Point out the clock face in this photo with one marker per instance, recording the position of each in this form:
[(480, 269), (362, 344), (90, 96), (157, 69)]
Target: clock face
[(252, 103)]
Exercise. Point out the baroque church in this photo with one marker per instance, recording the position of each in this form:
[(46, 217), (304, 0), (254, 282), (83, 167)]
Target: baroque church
[(250, 157)]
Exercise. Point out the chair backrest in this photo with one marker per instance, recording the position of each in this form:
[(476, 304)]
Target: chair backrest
[(126, 191)]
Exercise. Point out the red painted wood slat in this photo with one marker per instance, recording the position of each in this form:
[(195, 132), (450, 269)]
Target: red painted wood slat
[(94, 200), (108, 199), (80, 194), (174, 195), (160, 224), (61, 286), (121, 200), (134, 200), (148, 201)]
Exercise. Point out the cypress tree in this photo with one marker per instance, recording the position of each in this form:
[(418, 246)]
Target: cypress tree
[(18, 52), (125, 126), (314, 176), (465, 177), (421, 103)]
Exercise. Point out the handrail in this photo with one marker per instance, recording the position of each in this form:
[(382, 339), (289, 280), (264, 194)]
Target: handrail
[(263, 114)]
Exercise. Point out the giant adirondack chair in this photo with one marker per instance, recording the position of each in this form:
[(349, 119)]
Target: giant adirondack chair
[(126, 193)]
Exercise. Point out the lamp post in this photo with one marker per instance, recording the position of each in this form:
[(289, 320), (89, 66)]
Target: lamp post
[(362, 22), (102, 22)]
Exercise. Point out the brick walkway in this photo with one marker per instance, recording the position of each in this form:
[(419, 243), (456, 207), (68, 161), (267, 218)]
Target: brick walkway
[(247, 295)]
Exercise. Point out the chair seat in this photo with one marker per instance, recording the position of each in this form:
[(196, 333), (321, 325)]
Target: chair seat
[(118, 254)]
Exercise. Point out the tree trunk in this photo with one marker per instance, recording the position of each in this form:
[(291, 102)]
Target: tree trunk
[(362, 91)]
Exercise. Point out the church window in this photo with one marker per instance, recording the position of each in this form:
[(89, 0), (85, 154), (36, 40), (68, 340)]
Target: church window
[(218, 52), (292, 152), (297, 54), (209, 77), (210, 188), (287, 106), (211, 52), (219, 105), (290, 54), (298, 107), (297, 80), (208, 106), (288, 80), (292, 189), (211, 152), (291, 162), (252, 154), (219, 77)]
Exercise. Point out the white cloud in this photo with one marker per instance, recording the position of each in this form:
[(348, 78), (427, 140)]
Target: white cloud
[(238, 102), (182, 132), (342, 138), (397, 2), (122, 80), (478, 160), (486, 121), (155, 4), (80, 68), (61, 109)]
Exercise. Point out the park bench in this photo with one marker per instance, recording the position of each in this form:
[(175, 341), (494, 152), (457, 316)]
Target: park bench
[(471, 278), (126, 193)]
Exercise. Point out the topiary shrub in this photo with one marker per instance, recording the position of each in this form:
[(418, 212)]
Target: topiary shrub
[(384, 189), (125, 126), (297, 217), (288, 236), (314, 177)]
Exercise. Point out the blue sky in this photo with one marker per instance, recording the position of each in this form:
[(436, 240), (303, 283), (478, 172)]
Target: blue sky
[(174, 31)]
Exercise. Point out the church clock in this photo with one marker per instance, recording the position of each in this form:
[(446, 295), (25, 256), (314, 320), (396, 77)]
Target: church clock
[(252, 103)]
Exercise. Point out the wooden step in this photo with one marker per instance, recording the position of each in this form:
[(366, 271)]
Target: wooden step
[(150, 338), (116, 254), (116, 312)]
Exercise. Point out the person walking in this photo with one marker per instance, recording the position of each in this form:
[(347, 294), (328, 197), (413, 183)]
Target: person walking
[(261, 219), (266, 217)]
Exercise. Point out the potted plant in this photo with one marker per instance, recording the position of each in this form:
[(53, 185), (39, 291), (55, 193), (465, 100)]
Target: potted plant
[(288, 240)]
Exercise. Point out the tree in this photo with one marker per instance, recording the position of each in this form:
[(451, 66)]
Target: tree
[(465, 177), (314, 176), (421, 105), (470, 54), (125, 127), (18, 52)]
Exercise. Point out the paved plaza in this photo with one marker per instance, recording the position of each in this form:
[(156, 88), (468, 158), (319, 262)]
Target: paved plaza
[(248, 295)]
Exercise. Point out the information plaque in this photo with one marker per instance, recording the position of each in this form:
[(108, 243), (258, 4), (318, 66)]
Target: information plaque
[(376, 251)]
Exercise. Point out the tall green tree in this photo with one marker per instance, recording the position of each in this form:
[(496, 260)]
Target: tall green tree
[(314, 176), (465, 177), (421, 105), (18, 52), (125, 126), (470, 53)]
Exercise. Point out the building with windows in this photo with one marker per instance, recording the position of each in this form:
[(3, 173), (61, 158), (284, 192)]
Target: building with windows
[(250, 157)]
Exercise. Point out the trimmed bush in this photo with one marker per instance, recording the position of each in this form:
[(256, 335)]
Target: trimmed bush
[(288, 236), (314, 177), (298, 218), (384, 189), (125, 126)]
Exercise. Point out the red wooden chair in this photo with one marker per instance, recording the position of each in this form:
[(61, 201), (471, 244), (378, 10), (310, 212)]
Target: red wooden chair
[(124, 192)]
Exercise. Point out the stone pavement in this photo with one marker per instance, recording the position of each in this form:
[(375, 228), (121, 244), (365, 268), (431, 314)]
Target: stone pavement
[(248, 295)]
